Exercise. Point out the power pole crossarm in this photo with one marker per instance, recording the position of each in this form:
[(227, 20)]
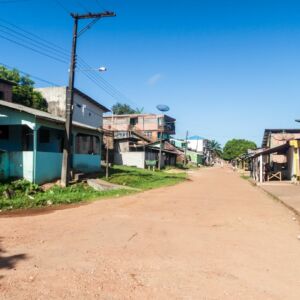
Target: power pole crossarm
[(94, 15)]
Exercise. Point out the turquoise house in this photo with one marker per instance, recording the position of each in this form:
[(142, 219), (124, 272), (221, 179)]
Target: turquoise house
[(31, 144)]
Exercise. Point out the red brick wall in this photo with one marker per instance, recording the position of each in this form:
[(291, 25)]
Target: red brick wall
[(6, 89)]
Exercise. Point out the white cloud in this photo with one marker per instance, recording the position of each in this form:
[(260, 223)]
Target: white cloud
[(154, 79)]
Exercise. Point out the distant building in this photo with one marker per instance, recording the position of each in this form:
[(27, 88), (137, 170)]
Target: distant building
[(197, 143), (151, 126)]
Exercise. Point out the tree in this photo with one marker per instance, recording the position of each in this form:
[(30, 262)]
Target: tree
[(125, 109), (215, 148), (23, 92), (236, 147)]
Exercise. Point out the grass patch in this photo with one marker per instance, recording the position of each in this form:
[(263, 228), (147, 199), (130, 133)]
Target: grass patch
[(56, 195), (23, 194), (246, 177), (143, 179)]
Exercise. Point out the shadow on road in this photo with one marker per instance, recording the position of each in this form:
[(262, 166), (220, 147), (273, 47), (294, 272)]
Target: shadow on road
[(9, 262)]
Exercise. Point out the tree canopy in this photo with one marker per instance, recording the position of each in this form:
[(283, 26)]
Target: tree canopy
[(23, 92), (125, 109), (236, 147), (215, 148)]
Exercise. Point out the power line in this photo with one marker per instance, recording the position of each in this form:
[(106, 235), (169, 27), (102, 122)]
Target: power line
[(31, 76), (32, 49), (29, 41), (62, 6), (13, 1), (82, 6), (105, 83), (36, 36), (37, 44)]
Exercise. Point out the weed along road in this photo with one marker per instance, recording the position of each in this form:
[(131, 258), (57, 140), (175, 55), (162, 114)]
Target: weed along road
[(213, 237)]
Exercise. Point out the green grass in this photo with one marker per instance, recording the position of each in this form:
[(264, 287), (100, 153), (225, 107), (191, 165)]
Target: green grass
[(143, 179), (27, 195), (246, 177)]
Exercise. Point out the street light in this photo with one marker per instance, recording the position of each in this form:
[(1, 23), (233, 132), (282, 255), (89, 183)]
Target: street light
[(100, 69)]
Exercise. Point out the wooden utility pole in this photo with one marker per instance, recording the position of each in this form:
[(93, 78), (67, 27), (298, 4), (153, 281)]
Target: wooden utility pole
[(186, 146), (66, 162), (107, 160), (160, 150)]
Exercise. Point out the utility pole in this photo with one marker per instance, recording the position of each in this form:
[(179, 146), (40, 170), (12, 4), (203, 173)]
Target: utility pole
[(66, 162), (160, 148), (186, 146)]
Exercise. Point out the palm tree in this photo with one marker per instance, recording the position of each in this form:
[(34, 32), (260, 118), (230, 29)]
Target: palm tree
[(215, 148)]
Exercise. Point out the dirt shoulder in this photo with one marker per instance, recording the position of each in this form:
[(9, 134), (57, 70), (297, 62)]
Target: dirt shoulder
[(214, 237)]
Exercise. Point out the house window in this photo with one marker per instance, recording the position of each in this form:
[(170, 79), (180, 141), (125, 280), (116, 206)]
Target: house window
[(44, 136), (4, 132), (87, 144), (133, 121), (1, 95)]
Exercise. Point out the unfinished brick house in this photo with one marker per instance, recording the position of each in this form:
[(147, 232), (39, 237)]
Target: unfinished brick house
[(135, 136), (151, 126)]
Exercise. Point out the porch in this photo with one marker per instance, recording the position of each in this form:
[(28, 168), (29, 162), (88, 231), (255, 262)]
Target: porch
[(279, 163)]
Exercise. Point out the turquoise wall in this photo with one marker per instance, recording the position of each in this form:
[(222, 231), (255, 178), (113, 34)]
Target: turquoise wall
[(196, 158), (21, 165), (4, 165), (55, 140), (87, 163), (48, 166), (18, 163), (14, 142)]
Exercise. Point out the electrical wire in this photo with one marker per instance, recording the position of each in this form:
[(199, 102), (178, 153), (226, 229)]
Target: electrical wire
[(14, 34), (32, 49), (51, 50), (31, 76), (63, 7), (13, 1)]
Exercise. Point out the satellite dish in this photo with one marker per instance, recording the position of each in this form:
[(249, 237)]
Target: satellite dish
[(163, 107)]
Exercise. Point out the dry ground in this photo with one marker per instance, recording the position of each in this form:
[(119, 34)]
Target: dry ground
[(214, 237)]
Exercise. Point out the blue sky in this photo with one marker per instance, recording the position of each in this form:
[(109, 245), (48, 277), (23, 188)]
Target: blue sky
[(228, 69)]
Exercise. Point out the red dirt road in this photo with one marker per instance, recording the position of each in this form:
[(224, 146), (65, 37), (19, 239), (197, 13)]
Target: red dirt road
[(214, 237)]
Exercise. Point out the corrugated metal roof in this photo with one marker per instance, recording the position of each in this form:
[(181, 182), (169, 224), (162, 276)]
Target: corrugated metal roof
[(281, 148), (44, 115), (195, 138)]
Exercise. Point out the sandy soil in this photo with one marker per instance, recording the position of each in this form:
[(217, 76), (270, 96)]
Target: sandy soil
[(214, 237)]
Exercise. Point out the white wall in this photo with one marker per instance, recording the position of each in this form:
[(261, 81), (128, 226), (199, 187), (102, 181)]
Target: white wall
[(196, 145), (84, 111), (135, 159)]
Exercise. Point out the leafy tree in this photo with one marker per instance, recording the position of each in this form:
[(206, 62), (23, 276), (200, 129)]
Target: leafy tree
[(23, 92), (215, 148), (125, 109), (236, 147)]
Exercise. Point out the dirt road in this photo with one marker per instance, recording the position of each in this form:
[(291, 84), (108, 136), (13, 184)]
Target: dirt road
[(214, 237)]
